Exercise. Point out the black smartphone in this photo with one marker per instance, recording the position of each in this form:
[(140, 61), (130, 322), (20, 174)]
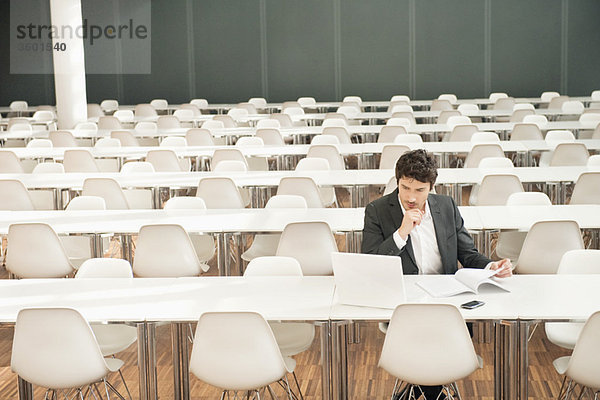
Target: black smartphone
[(469, 305)]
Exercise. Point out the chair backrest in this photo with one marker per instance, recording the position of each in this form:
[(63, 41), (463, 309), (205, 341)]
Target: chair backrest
[(558, 136), (307, 102), (108, 142), (43, 116), (455, 120), (160, 104), (15, 196), (444, 115), (565, 154), (485, 137), (286, 201), (389, 133), (545, 244), (236, 351), (104, 268), (594, 160), (62, 139), (583, 261), (227, 120), (416, 351), (146, 128), (230, 165), (495, 189), (199, 137), (462, 133), (353, 99), (227, 154), (400, 121), (480, 151), (408, 138), (164, 160), (173, 141), (250, 107), (518, 115), (9, 163), (258, 102), (124, 115), (390, 155), (313, 164), (268, 123), (317, 236), (497, 95), (338, 131), (301, 186), (496, 162), (572, 107), (56, 348), (468, 109), (400, 107), (39, 143), (49, 260), (557, 102), (270, 136), (86, 203), (79, 160), (523, 106), (108, 122), (334, 122), (440, 105), (185, 114), (249, 141), (86, 127), (349, 111), (273, 266), (547, 96), (219, 192), (293, 111), (165, 251), (325, 139), (587, 189), (400, 97), (136, 167), (285, 121), (109, 105), (200, 103), (585, 359), (108, 189), (126, 138), (523, 131), (48, 168), (238, 113), (448, 96), (18, 105), (145, 111), (19, 125), (165, 122), (330, 152), (528, 198), (539, 120), (504, 103), (185, 203)]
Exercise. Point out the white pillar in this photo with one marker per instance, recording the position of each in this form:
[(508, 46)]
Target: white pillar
[(69, 64)]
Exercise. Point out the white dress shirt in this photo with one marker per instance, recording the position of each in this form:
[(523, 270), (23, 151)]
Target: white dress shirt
[(424, 244)]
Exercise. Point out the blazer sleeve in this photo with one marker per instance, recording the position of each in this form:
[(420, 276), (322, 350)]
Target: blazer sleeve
[(467, 253), (374, 240)]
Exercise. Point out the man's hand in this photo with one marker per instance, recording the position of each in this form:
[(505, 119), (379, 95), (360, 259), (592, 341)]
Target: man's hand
[(411, 219), (504, 267)]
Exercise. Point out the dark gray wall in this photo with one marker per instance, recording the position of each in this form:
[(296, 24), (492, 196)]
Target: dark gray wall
[(230, 50)]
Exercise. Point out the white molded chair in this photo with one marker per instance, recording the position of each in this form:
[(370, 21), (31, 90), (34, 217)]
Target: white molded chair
[(495, 189), (481, 151), (166, 122), (213, 124), (468, 109), (220, 192), (173, 141), (565, 334), (523, 131), (327, 193), (317, 236), (146, 128), (448, 96), (79, 160), (572, 107), (258, 102), (547, 96), (55, 348), (107, 142), (49, 260), (510, 243), (136, 167), (18, 105), (390, 155), (518, 115), (39, 143), (408, 138), (250, 107), (307, 102), (401, 121), (108, 122), (417, 352), (301, 186), (9, 163), (86, 203), (446, 114), (461, 133), (126, 138), (230, 165), (545, 244), (166, 160), (249, 141), (388, 134), (458, 120), (540, 120), (497, 95), (270, 136), (109, 105), (400, 97), (338, 131), (581, 368), (352, 99), (227, 120), (265, 245), (329, 152), (199, 137), (587, 189), (78, 248), (200, 103), (15, 196), (145, 111), (62, 139), (485, 137), (124, 116), (268, 123), (566, 154), (203, 244), (227, 154), (440, 105), (48, 168), (594, 161), (165, 250), (325, 139), (159, 104), (236, 351), (109, 190)]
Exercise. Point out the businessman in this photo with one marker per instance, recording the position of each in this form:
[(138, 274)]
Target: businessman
[(424, 229)]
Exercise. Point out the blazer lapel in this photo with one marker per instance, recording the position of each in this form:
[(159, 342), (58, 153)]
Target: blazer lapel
[(397, 217)]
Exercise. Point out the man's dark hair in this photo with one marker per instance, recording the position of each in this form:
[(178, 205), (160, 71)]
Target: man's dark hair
[(417, 164)]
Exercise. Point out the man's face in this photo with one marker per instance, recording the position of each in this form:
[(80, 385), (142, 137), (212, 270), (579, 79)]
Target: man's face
[(413, 193)]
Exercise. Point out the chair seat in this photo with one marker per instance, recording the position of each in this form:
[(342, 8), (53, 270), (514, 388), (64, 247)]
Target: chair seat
[(293, 337), (114, 364), (561, 363), (114, 338), (563, 334)]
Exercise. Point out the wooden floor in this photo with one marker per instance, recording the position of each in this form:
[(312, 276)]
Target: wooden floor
[(366, 380)]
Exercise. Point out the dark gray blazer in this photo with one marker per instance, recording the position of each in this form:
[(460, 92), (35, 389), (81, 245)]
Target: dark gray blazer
[(384, 216)]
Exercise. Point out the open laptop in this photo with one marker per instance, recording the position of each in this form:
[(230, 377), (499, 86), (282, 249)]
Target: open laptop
[(368, 280)]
